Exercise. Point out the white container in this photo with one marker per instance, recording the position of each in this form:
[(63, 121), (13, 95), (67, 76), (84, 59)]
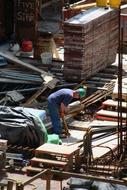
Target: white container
[(46, 58), (14, 47), (3, 144)]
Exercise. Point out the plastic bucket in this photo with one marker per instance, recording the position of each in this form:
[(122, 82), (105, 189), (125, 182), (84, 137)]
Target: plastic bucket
[(46, 58), (101, 3), (114, 3), (3, 144), (53, 139), (27, 46)]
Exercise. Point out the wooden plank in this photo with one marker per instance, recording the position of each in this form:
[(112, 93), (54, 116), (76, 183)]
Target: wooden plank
[(31, 168), (124, 179), (113, 103), (83, 6), (79, 125), (110, 113), (56, 149), (54, 50), (48, 161), (105, 118), (10, 185), (99, 124)]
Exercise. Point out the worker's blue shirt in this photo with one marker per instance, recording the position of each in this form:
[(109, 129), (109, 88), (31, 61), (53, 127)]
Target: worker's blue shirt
[(64, 96)]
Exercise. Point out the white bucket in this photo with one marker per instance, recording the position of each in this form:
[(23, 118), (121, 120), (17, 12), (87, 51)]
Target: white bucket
[(46, 58), (3, 144)]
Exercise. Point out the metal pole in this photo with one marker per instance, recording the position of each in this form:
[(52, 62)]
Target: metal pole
[(120, 132)]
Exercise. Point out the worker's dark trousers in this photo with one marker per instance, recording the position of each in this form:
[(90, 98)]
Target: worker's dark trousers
[(55, 117)]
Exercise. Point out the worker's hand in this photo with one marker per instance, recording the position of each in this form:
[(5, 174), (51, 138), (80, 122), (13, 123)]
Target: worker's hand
[(62, 110), (62, 114)]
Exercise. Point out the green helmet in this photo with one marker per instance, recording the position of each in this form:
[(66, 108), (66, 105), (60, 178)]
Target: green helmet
[(82, 92)]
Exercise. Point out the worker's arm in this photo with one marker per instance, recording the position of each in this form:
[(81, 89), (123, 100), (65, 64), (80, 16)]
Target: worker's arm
[(63, 109)]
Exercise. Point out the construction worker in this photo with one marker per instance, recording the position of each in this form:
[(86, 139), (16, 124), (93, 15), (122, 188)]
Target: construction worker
[(57, 105)]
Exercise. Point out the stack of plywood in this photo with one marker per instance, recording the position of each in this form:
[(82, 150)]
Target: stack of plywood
[(91, 40), (124, 23)]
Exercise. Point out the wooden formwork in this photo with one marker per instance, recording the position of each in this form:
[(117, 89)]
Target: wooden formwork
[(91, 41)]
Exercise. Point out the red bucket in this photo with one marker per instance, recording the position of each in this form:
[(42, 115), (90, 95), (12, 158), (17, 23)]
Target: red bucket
[(27, 46)]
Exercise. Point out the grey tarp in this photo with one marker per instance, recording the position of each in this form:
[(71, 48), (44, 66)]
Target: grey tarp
[(20, 128), (82, 184)]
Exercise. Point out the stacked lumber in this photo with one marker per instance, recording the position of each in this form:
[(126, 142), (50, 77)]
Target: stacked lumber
[(110, 109), (91, 40), (124, 23), (54, 156)]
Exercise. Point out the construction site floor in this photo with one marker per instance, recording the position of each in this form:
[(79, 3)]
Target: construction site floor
[(76, 135)]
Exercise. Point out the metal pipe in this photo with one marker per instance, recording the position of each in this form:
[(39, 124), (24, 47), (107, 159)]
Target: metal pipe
[(120, 131)]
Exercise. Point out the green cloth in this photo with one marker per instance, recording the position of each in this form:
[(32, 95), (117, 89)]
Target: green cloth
[(49, 138)]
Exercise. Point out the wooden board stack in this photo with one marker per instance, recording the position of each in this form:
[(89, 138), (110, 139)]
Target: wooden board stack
[(124, 23), (91, 41)]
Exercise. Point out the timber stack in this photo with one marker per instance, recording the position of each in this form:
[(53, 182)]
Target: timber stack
[(91, 42), (124, 24)]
